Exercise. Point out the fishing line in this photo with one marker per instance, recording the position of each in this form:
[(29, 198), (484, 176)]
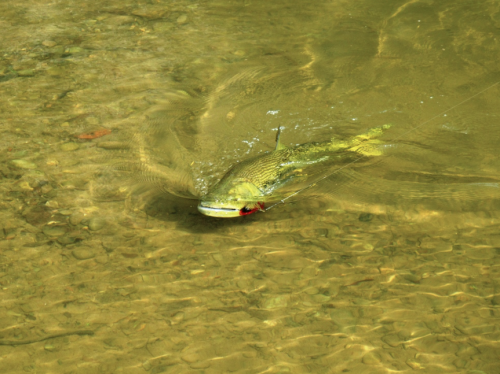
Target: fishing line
[(282, 201)]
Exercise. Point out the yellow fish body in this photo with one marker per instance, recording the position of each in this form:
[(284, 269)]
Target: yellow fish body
[(249, 185)]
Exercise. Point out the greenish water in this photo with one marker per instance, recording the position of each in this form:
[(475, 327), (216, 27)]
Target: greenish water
[(111, 112)]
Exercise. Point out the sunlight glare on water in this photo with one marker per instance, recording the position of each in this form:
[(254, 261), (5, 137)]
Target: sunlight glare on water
[(117, 116)]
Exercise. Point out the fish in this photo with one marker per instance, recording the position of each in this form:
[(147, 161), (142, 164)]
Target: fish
[(248, 186)]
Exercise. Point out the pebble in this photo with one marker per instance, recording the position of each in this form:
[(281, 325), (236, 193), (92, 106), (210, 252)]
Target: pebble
[(49, 347), (71, 146), (460, 363), (200, 365), (52, 204), (320, 298), (54, 231), (119, 20), (365, 217), (392, 339), (26, 73), (76, 218), (371, 358), (314, 233), (311, 291), (23, 164), (414, 365), (49, 43), (182, 19), (113, 145), (191, 357), (47, 188), (64, 240), (412, 278), (275, 302), (96, 223), (74, 50), (83, 253)]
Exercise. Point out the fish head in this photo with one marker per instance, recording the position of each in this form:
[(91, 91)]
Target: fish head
[(232, 197)]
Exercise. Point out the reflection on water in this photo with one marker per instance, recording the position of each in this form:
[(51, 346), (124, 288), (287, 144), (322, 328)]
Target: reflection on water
[(116, 117)]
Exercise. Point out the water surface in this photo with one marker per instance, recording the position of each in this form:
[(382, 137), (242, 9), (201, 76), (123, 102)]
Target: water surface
[(113, 113)]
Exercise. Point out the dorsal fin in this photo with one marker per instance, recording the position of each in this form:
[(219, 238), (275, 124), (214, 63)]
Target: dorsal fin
[(278, 144)]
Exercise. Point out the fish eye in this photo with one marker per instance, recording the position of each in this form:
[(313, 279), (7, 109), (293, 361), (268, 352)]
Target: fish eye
[(246, 210)]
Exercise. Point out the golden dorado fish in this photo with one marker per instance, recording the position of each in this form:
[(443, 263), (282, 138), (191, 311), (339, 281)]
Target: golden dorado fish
[(249, 185)]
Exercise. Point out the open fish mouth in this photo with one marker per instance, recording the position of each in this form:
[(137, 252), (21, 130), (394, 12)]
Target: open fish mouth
[(218, 212), (228, 212)]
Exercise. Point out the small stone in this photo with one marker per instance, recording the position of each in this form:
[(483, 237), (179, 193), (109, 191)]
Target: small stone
[(52, 231), (65, 240), (52, 204), (74, 50), (275, 302), (412, 278), (49, 347), (191, 358), (71, 146), (119, 20), (182, 19), (49, 43), (365, 217), (200, 365), (371, 358), (46, 188), (23, 164), (311, 291), (314, 233), (76, 218), (392, 339), (101, 259), (414, 365), (460, 363), (113, 145), (25, 186), (26, 73), (96, 223), (320, 298), (83, 253)]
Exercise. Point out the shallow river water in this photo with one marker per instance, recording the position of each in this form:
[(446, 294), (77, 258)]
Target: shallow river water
[(113, 113)]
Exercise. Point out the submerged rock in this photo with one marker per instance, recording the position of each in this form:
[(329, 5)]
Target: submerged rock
[(23, 164), (83, 253)]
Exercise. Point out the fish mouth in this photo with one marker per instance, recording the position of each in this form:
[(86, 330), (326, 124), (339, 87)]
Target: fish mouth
[(218, 212), (212, 210)]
